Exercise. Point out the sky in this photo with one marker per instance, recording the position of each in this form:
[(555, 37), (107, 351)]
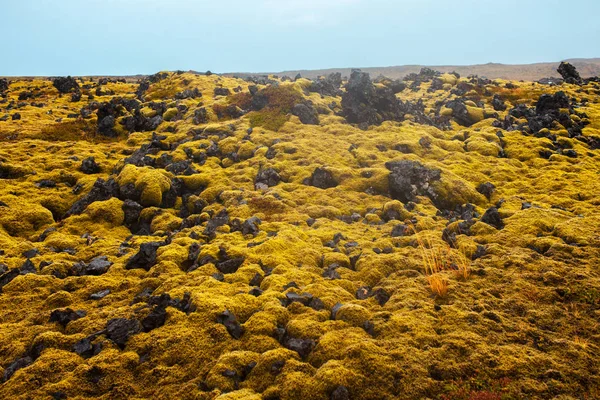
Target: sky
[(126, 37)]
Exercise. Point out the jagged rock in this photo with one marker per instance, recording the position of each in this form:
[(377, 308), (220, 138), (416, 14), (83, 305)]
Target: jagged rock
[(89, 166), (98, 266), (462, 114), (569, 73), (218, 220), (7, 277), (65, 85), (63, 317), (322, 179), (145, 258), (301, 346), (400, 230), (382, 296), (250, 226), (120, 329), (409, 179), (486, 189), (188, 94), (3, 85), (307, 113), (101, 191), (220, 91), (498, 103), (327, 86), (231, 324), (85, 348), (27, 268), (230, 266), (492, 217), (340, 393), (15, 366), (266, 178), (365, 104)]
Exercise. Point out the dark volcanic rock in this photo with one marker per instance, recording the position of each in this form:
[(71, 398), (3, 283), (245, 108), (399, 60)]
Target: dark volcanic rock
[(460, 112), (230, 266), (145, 258), (365, 104), (220, 91), (15, 366), (85, 348), (218, 220), (408, 179), (498, 103), (301, 346), (233, 326), (340, 393), (569, 73), (492, 217), (7, 277), (65, 85), (322, 179), (486, 189), (250, 226), (89, 166), (400, 230), (327, 86), (3, 85), (102, 190), (266, 178), (98, 266), (200, 116), (307, 113), (63, 317), (120, 329)]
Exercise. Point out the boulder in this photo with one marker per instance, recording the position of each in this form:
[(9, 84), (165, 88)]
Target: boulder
[(569, 73), (322, 179), (408, 179), (89, 166), (307, 113), (366, 105), (327, 86), (266, 178), (65, 85)]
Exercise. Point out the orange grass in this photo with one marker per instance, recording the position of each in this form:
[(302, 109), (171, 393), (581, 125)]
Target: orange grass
[(439, 258)]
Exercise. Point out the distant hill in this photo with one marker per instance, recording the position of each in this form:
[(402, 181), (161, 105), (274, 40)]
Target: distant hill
[(529, 72), (587, 67)]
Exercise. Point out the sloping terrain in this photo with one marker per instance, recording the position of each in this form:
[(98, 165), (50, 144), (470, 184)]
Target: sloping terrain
[(205, 237), (529, 72)]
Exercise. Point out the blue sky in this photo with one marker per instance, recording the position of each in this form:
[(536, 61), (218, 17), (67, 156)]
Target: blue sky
[(80, 37)]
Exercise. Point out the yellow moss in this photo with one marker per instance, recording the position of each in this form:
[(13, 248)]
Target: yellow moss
[(61, 241), (110, 211), (23, 218), (539, 267), (475, 113), (150, 182), (170, 114), (449, 79), (165, 222), (353, 314)]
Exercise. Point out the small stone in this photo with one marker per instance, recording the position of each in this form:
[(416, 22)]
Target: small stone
[(100, 295), (233, 326)]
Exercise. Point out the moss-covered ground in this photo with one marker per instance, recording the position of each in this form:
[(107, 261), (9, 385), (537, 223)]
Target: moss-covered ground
[(518, 316)]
